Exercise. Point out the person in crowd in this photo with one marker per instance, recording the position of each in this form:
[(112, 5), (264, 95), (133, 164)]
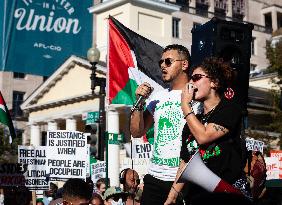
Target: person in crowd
[(39, 202), (164, 111), (76, 192), (115, 196), (216, 132), (96, 199), (90, 183), (129, 178), (101, 186), (50, 194)]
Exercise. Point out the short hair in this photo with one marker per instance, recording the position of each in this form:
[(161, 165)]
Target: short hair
[(77, 188), (97, 196), (182, 51), (100, 182)]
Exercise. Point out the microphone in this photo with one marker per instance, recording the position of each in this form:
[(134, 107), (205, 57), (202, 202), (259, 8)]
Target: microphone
[(140, 99)]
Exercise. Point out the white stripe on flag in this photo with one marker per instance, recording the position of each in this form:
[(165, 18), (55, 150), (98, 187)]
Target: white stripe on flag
[(2, 107)]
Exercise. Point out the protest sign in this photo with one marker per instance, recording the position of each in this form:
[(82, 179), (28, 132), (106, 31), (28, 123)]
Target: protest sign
[(12, 174), (278, 154), (67, 154), (254, 145), (139, 149), (98, 171), (35, 159), (272, 166)]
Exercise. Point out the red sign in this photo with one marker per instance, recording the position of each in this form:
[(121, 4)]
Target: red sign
[(278, 154)]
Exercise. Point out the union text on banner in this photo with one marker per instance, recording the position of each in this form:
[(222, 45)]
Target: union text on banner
[(51, 31)]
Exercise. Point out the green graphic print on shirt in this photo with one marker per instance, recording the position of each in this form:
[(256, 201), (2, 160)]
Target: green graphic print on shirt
[(169, 128)]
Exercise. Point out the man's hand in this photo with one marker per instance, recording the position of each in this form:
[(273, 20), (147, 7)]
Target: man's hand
[(144, 89)]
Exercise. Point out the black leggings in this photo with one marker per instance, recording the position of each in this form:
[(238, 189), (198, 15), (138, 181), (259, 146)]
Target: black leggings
[(156, 191)]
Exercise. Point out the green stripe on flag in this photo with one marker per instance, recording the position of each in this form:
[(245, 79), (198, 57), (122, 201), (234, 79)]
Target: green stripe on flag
[(3, 117), (127, 94)]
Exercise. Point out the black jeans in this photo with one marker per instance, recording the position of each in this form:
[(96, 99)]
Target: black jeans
[(156, 191)]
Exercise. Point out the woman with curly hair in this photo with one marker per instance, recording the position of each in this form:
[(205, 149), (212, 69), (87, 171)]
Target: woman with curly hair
[(216, 132)]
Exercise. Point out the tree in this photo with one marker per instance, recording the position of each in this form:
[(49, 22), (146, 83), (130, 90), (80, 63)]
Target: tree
[(274, 55), (8, 152)]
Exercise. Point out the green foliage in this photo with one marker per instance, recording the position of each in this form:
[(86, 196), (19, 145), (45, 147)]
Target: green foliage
[(8, 152), (274, 55)]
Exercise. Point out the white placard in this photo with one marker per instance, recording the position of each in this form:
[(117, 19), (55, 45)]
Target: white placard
[(35, 159), (98, 171), (140, 149), (272, 166), (255, 145), (67, 154)]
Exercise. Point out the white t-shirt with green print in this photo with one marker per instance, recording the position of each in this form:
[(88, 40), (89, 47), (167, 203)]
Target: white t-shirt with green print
[(165, 106)]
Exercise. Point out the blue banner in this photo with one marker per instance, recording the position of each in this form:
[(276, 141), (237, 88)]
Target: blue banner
[(39, 35)]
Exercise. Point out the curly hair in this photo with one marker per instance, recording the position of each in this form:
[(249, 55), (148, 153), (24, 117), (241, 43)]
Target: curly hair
[(219, 72)]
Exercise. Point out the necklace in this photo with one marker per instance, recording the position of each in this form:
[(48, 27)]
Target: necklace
[(205, 117)]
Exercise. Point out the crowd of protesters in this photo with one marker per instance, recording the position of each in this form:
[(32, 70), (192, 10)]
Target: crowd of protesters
[(81, 192)]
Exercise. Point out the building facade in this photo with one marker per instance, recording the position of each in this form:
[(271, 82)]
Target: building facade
[(164, 22)]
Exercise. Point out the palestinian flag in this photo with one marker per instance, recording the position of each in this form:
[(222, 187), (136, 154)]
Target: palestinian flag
[(132, 60), (5, 117)]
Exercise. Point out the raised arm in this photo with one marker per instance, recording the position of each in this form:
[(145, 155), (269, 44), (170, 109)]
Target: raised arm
[(141, 120)]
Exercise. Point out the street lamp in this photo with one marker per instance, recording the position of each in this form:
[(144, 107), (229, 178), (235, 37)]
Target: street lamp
[(93, 55)]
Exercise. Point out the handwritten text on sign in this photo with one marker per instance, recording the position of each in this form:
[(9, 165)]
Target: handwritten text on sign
[(255, 145), (278, 154), (272, 166), (67, 154)]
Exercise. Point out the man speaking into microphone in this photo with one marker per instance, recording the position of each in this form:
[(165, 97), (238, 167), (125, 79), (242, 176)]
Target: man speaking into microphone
[(164, 110)]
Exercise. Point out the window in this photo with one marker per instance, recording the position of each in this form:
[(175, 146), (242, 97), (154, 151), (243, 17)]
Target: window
[(17, 101), (253, 67), (19, 75), (253, 46), (175, 27)]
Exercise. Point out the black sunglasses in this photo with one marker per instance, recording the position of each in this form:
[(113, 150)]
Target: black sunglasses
[(197, 77), (168, 61)]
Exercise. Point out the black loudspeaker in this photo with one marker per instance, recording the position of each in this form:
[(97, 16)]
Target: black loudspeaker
[(230, 41)]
